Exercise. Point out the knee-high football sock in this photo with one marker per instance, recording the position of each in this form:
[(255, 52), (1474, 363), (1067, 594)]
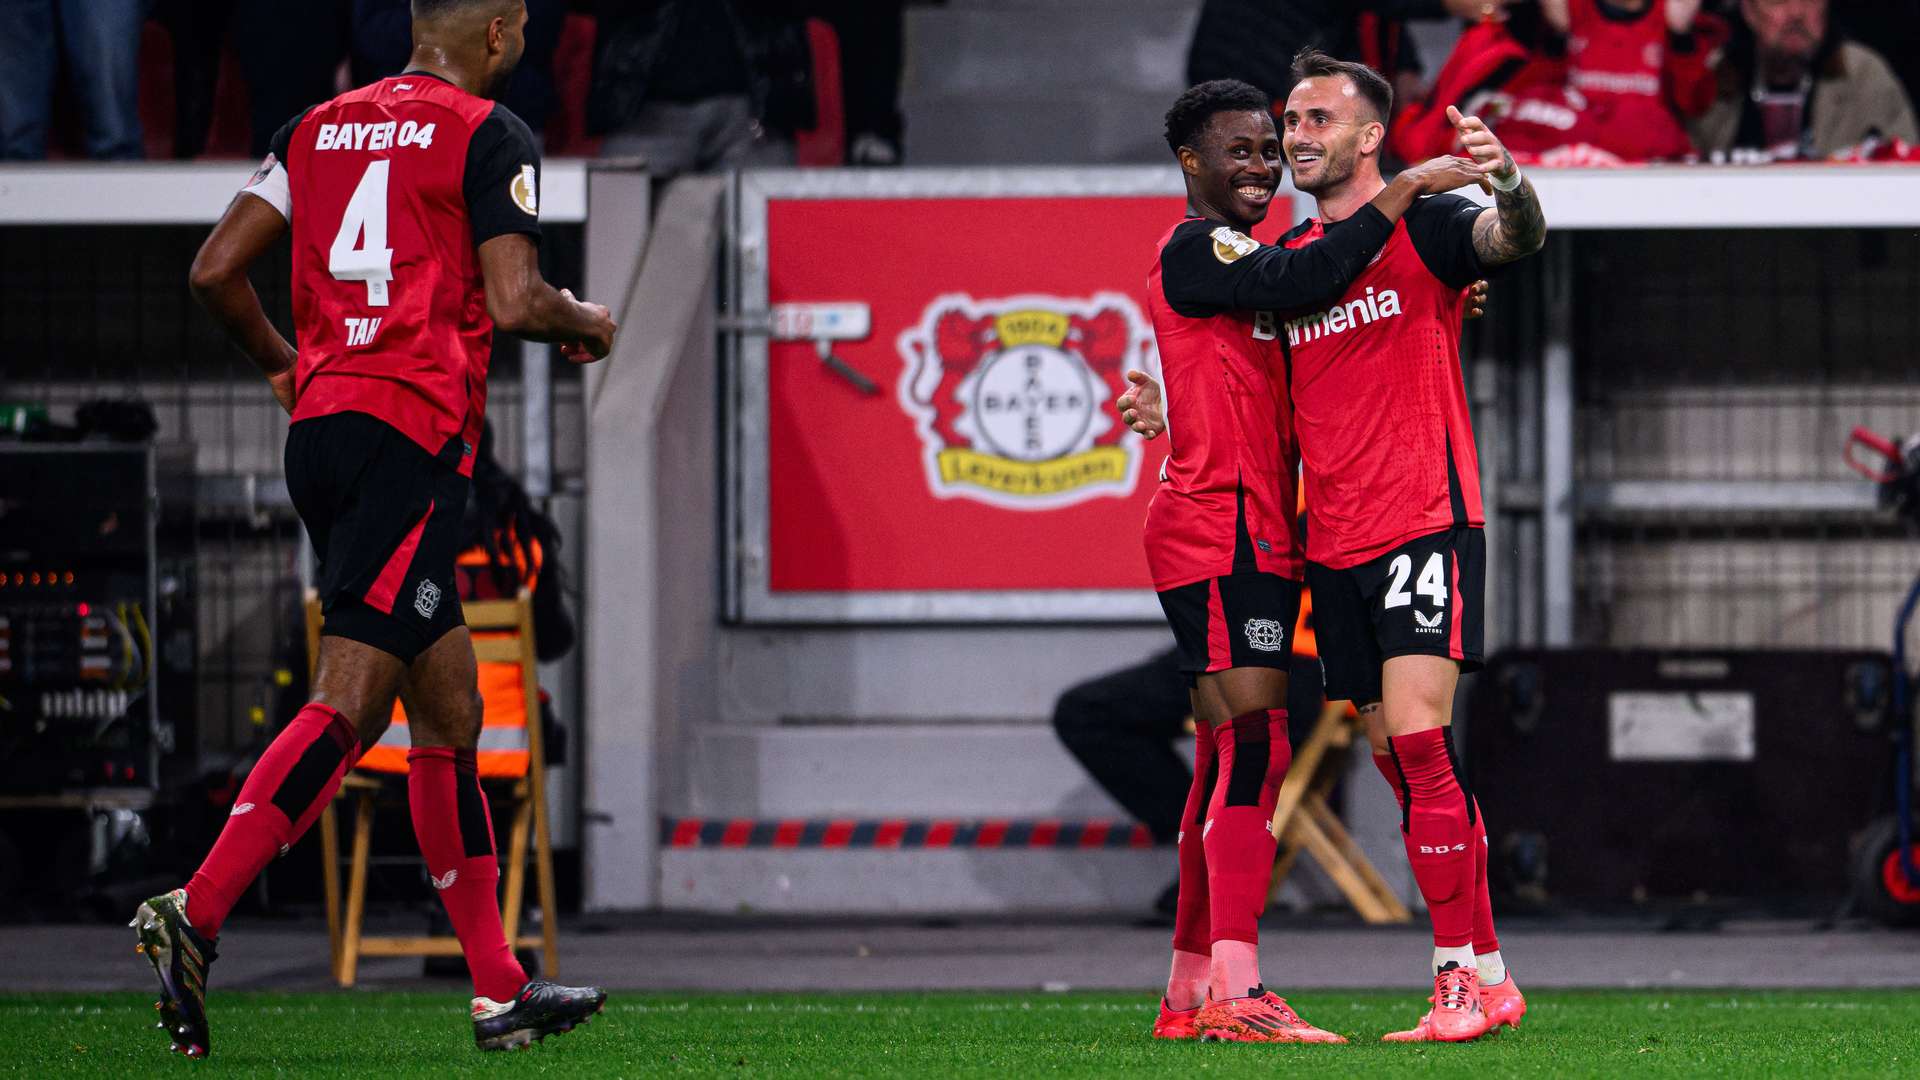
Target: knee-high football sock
[(455, 831), (1253, 754), (1438, 829), (283, 795), (1192, 937), (1486, 943)]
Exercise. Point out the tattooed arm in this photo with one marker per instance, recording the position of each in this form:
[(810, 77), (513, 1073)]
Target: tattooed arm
[(1515, 227)]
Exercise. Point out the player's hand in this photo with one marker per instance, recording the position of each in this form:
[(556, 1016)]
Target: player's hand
[(1441, 174), (1140, 407), (1477, 299), (1680, 15), (282, 385), (598, 341), (1480, 143)]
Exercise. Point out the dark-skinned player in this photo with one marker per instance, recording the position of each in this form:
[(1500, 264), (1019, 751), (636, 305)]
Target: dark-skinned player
[(414, 211)]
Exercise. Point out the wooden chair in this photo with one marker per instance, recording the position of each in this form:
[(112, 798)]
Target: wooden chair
[(510, 753), (1304, 822)]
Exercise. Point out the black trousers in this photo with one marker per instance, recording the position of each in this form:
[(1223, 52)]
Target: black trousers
[(1123, 728)]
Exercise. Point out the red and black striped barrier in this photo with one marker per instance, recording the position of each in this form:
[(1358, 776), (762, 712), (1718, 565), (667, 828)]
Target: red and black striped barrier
[(992, 833)]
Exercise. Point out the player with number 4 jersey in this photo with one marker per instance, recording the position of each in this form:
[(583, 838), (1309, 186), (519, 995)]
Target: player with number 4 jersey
[(415, 214)]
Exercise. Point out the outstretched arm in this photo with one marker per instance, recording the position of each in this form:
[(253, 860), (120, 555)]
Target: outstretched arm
[(219, 281), (1515, 227)]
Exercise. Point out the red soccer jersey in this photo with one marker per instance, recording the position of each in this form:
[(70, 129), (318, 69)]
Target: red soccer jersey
[(1226, 496), (390, 190), (1617, 62), (1379, 406)]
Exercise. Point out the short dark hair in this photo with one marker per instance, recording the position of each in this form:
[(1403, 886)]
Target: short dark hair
[(433, 9), (1311, 63), (1192, 109)]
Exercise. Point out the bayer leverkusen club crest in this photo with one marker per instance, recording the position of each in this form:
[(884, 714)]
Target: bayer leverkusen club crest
[(1014, 397)]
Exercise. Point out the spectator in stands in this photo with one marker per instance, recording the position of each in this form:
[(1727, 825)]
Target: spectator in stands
[(382, 42), (100, 41), (1634, 68), (1255, 40), (695, 85), (1791, 87), (290, 56), (1892, 28), (871, 37)]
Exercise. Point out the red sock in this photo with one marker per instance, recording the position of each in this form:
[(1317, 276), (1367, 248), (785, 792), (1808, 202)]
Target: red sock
[(455, 831), (1438, 829), (1484, 939), (1191, 932), (1253, 754), (1384, 762), (283, 795)]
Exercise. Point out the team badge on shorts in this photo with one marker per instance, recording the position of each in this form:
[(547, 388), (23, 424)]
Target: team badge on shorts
[(1013, 398), (426, 599), (1266, 635)]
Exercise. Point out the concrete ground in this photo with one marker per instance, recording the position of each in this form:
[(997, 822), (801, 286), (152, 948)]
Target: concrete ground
[(652, 952)]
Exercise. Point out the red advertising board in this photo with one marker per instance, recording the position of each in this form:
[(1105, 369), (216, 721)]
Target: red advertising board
[(990, 459)]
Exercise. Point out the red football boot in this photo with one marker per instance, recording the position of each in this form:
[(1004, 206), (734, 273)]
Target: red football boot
[(1456, 1016), (1503, 1003), (1262, 1016), (1175, 1023)]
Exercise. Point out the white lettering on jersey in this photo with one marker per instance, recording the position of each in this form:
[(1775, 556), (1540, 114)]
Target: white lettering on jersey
[(360, 332), (1343, 317), (373, 137)]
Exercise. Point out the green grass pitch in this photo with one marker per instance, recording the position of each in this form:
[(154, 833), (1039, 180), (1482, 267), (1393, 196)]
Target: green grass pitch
[(1575, 1033)]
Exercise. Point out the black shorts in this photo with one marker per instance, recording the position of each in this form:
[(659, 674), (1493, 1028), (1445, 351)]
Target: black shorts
[(384, 517), (1242, 620), (1423, 598)]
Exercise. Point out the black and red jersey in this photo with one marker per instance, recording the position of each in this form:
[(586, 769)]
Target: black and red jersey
[(1379, 405), (1217, 299), (390, 191)]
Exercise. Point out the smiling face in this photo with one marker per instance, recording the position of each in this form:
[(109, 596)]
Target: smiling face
[(1232, 173), (1329, 128)]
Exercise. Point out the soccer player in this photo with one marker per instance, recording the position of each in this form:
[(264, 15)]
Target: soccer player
[(413, 204), (1219, 534), (1395, 553)]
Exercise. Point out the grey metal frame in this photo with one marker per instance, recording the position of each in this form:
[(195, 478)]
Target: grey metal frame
[(748, 595)]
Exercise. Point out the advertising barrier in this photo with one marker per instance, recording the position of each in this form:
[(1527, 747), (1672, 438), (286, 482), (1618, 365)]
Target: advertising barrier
[(927, 370)]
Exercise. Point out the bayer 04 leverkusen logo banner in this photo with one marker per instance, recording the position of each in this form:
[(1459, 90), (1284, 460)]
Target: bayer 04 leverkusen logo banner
[(1010, 396)]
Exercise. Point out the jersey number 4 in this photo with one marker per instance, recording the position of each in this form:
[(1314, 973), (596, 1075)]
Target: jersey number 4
[(1432, 583), (360, 251)]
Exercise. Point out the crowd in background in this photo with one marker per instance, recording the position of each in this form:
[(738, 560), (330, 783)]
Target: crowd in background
[(702, 84), (688, 83), (1600, 82)]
